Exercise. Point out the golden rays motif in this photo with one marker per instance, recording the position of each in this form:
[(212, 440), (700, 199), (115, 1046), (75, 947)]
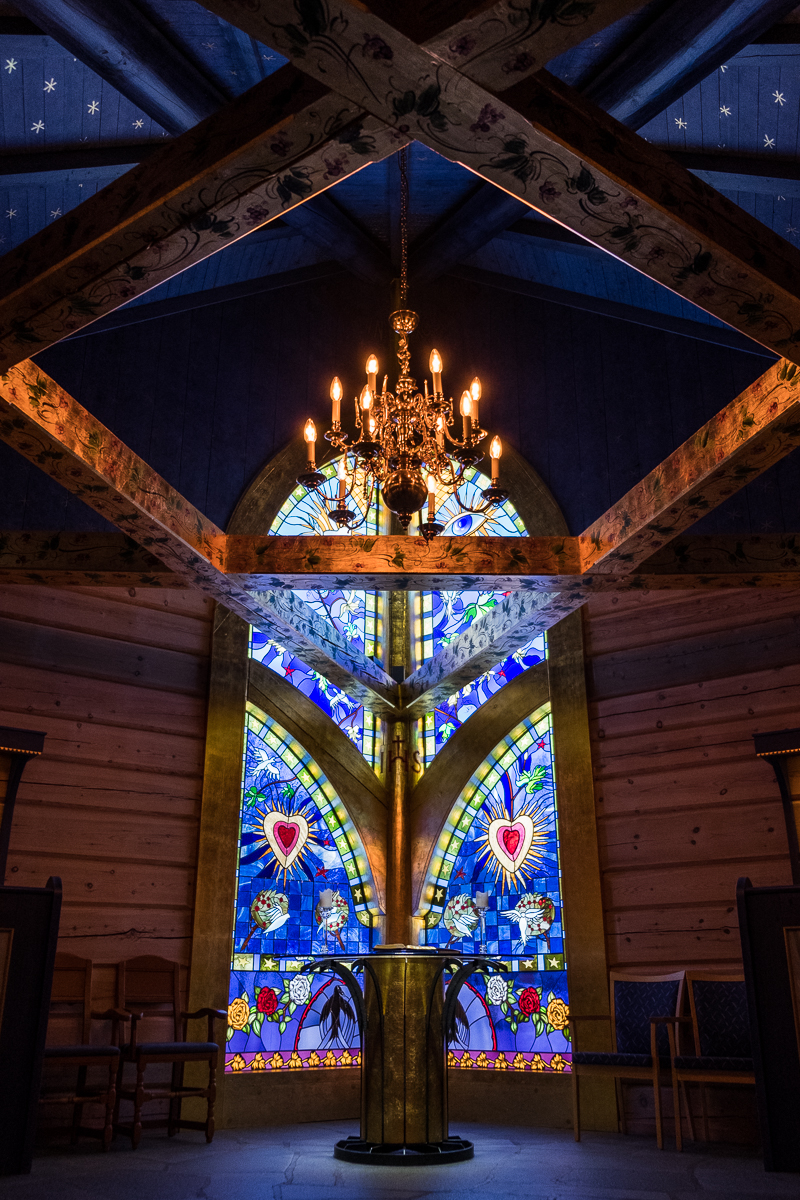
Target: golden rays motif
[(513, 845)]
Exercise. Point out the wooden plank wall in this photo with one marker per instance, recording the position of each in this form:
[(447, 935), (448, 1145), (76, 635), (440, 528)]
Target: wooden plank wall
[(117, 678), (679, 682)]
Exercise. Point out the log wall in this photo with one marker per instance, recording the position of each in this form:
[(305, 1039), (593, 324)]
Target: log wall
[(678, 683), (117, 679)]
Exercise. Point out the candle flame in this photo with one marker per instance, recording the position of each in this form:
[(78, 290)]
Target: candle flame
[(475, 389), (466, 404), (310, 431), (435, 362), (372, 365), (496, 448), (366, 399), (336, 388), (341, 472)]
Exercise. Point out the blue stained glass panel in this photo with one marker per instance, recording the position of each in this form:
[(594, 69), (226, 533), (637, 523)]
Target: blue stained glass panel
[(358, 616), (500, 846)]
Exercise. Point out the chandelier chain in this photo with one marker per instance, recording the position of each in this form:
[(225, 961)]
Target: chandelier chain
[(403, 226)]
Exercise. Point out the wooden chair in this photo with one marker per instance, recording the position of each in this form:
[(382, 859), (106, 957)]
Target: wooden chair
[(71, 1005), (722, 1048), (640, 1044), (152, 985)]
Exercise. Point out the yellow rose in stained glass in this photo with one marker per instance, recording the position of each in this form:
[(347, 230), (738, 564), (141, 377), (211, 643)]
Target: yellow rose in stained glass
[(558, 1013), (238, 1013)]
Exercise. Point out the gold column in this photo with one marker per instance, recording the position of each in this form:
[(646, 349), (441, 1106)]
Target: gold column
[(398, 856), (404, 1092)]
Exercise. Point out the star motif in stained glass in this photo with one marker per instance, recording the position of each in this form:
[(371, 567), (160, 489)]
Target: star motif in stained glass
[(769, 143), (358, 895), (269, 964), (37, 126), (529, 965), (50, 85), (779, 98), (553, 964), (439, 895)]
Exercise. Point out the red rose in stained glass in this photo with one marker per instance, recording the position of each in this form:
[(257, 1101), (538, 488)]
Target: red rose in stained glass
[(529, 1001), (267, 1001)]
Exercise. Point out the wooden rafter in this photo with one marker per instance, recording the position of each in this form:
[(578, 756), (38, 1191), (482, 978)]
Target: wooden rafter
[(557, 152), (52, 430), (265, 152), (285, 140), (62, 559), (755, 430)]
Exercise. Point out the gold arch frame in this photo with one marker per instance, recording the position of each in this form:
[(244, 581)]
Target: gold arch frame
[(234, 679)]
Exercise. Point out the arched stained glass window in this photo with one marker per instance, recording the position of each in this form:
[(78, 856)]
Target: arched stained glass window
[(303, 877), (495, 887), (303, 888), (439, 617), (358, 616)]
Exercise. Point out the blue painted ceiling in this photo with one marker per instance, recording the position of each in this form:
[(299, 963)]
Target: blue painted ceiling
[(740, 123)]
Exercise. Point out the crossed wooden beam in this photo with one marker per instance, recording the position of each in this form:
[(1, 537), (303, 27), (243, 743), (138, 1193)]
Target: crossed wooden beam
[(545, 578), (359, 90)]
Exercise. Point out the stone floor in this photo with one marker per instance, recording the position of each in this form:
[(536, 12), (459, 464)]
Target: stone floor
[(296, 1163)]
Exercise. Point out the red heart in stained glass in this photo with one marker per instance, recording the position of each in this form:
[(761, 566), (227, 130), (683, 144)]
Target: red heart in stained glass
[(511, 841), (287, 835)]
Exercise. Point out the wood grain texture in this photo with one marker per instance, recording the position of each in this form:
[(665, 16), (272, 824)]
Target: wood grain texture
[(683, 805), (48, 426), (755, 430), (218, 842), (74, 559), (566, 159), (113, 806)]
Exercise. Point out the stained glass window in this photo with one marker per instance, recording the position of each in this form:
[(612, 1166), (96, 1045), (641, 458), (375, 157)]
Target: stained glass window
[(358, 616), (495, 887), (439, 617), (303, 888)]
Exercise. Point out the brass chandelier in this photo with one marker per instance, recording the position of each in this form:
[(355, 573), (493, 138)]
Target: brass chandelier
[(404, 435)]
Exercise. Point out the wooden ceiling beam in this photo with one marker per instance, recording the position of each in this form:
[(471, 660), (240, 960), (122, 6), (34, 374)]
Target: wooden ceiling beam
[(755, 430), (557, 152), (120, 44), (74, 559), (679, 48), (261, 155), (51, 429)]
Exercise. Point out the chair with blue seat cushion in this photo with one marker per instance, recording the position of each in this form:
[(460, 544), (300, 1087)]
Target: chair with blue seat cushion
[(639, 1041), (722, 1047), (152, 985), (70, 1046)]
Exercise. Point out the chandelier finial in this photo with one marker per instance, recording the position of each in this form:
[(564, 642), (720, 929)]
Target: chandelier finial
[(400, 435)]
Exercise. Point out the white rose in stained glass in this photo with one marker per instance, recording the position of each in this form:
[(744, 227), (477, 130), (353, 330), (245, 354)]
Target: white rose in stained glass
[(299, 989), (496, 990)]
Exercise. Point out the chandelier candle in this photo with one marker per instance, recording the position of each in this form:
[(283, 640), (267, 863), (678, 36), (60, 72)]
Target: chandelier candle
[(494, 453), (336, 401), (431, 498), (310, 434), (466, 413)]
